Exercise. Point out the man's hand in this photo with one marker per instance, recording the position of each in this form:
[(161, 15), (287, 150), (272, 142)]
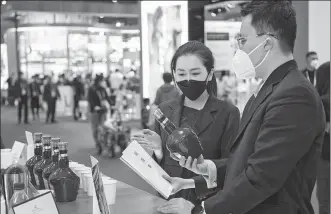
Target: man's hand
[(179, 183), (176, 206), (198, 166)]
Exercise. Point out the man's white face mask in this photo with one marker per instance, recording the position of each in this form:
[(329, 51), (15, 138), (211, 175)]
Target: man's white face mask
[(243, 65)]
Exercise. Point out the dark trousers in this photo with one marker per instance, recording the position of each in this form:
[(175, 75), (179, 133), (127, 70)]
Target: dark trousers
[(51, 108), (35, 106), (323, 186), (23, 103), (76, 107), (97, 120)]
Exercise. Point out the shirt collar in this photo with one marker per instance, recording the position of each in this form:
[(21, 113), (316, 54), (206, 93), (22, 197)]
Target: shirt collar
[(257, 90)]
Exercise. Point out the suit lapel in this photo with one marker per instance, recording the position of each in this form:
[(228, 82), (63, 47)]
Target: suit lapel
[(274, 78), (205, 117)]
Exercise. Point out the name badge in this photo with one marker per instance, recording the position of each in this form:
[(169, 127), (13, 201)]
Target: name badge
[(41, 204), (23, 92), (53, 94)]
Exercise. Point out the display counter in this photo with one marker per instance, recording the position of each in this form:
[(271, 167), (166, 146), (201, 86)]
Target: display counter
[(129, 200)]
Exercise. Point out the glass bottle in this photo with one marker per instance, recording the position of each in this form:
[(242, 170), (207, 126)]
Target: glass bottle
[(54, 165), (38, 152), (47, 159), (19, 195), (64, 181), (181, 141)]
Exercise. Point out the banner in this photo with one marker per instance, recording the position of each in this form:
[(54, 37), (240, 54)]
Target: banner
[(164, 27), (220, 38)]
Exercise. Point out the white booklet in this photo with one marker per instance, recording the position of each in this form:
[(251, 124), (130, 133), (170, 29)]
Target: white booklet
[(145, 166)]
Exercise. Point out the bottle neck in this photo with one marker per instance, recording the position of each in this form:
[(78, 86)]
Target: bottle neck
[(55, 157), (38, 149), (64, 159), (166, 124), (47, 154)]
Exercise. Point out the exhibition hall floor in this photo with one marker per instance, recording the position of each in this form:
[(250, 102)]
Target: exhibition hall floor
[(81, 145)]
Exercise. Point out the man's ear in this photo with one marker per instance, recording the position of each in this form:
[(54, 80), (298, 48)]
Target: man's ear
[(269, 44)]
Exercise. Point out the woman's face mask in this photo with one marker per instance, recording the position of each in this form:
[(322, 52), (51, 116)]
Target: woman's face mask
[(243, 65), (191, 76)]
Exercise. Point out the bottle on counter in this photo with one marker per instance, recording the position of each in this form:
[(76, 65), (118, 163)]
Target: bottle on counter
[(46, 160), (19, 195), (64, 182), (181, 141), (38, 156), (54, 165)]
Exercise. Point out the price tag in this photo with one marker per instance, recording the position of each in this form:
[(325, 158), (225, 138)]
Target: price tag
[(17, 151), (41, 204)]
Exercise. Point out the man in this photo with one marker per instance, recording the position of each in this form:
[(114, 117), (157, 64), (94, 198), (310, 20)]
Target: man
[(51, 94), (323, 174), (98, 101), (35, 94), (21, 88), (166, 91), (271, 168), (78, 87), (312, 64)]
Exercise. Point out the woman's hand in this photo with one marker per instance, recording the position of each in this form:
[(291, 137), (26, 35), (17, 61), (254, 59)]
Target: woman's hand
[(198, 166), (179, 183), (148, 140)]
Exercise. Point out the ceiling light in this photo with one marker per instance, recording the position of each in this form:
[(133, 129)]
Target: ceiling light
[(213, 14), (4, 2), (101, 17), (114, 1), (231, 6), (118, 24)]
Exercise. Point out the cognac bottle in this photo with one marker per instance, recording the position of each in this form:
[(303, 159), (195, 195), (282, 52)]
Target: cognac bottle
[(181, 141), (47, 159), (54, 165), (38, 152), (63, 180)]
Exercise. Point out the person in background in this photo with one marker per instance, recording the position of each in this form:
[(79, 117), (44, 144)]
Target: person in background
[(98, 101), (271, 167), (22, 95), (51, 94), (323, 169), (166, 91), (116, 79), (78, 88), (35, 92), (214, 121), (312, 64), (11, 89)]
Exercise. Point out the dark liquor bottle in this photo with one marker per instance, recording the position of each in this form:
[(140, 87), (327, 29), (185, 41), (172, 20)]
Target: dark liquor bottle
[(181, 141), (38, 152), (47, 159), (54, 165), (64, 181)]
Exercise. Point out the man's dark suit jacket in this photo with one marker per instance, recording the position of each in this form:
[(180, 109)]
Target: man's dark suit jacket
[(47, 96), (323, 88), (217, 126), (272, 165)]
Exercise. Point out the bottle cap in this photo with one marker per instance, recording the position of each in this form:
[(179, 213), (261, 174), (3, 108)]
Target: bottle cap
[(38, 135), (18, 186), (63, 145), (158, 114), (46, 139), (55, 142)]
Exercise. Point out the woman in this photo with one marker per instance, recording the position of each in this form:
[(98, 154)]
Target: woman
[(216, 122)]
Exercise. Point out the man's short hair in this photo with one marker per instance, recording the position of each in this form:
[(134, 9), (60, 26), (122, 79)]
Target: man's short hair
[(275, 16), (310, 53), (167, 77)]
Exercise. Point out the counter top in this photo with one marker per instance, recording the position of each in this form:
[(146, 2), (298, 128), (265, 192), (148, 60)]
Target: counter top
[(129, 200)]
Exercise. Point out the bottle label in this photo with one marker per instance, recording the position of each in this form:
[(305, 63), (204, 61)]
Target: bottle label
[(37, 179), (46, 183)]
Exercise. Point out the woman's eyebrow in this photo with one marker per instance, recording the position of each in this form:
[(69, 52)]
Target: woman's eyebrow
[(195, 69)]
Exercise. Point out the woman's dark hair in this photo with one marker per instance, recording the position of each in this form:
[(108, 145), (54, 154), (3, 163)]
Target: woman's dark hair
[(204, 54)]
